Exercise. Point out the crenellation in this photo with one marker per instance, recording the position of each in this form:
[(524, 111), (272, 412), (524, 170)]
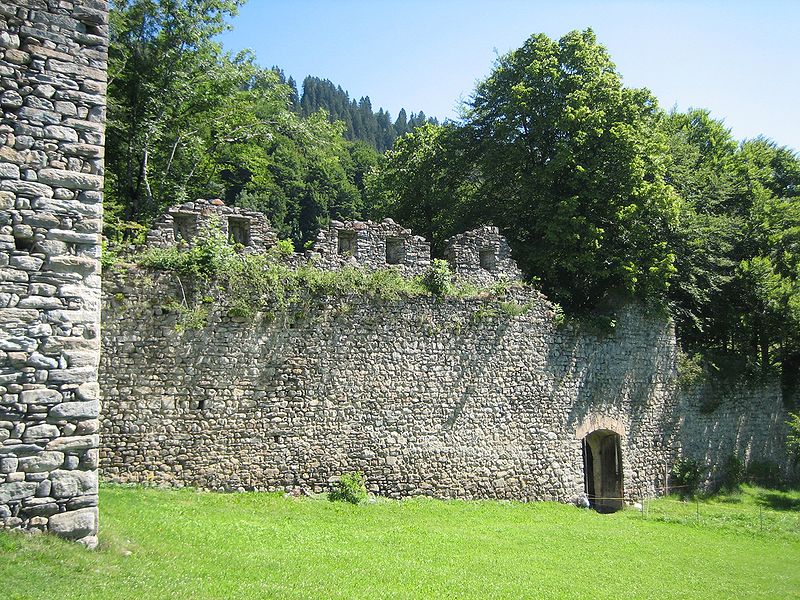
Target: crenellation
[(482, 255), (183, 223), (371, 246)]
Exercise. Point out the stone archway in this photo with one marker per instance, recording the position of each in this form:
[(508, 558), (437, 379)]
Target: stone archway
[(602, 467)]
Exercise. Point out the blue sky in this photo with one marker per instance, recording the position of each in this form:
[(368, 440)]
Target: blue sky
[(741, 60)]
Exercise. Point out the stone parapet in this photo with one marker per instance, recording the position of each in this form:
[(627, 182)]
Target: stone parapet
[(183, 222), (482, 256), (371, 246)]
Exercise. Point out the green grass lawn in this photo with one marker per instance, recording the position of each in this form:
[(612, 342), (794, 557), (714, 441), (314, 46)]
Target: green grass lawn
[(184, 544)]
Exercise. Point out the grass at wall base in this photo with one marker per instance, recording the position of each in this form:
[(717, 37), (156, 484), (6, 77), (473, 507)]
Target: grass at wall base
[(186, 544)]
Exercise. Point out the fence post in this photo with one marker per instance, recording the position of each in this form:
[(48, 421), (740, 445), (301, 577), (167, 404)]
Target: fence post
[(697, 504), (666, 479)]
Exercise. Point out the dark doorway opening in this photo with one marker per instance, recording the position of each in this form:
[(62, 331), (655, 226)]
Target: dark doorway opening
[(602, 468)]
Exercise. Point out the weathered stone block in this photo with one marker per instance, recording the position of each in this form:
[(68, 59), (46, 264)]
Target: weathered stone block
[(38, 432), (75, 410), (72, 180), (9, 171), (61, 133), (74, 524), (42, 462), (68, 484), (29, 189), (19, 450), (14, 492), (8, 464), (74, 443)]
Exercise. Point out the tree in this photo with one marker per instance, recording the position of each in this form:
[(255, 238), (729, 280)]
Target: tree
[(770, 271), (425, 182), (703, 168), (572, 169), (166, 75)]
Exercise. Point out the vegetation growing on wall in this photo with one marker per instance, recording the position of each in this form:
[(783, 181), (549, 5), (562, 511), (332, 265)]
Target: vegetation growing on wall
[(250, 283)]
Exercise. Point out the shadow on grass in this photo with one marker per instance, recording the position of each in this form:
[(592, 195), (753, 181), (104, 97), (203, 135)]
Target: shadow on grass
[(778, 501)]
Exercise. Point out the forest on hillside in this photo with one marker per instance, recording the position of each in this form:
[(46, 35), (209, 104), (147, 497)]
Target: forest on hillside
[(604, 196)]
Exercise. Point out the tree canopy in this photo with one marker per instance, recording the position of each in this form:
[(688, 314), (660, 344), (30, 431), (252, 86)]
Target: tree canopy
[(569, 163), (189, 121)]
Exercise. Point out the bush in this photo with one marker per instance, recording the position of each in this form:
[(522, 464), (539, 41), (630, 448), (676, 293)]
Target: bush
[(439, 278), (793, 439), (351, 487), (690, 370), (686, 475), (284, 248), (764, 473), (205, 259), (733, 474)]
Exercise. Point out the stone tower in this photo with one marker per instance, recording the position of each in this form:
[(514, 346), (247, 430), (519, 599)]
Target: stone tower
[(53, 56)]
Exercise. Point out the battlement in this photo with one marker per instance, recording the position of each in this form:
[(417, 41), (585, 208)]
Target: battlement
[(182, 223), (371, 246), (482, 255)]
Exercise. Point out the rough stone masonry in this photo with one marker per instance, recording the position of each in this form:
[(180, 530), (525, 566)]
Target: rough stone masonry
[(464, 398), (53, 56)]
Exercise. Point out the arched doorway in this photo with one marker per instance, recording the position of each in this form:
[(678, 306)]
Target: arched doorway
[(602, 468)]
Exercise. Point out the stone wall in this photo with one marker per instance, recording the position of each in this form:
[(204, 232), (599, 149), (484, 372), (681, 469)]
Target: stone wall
[(481, 255), (52, 95), (451, 398), (371, 246), (182, 222), (746, 420)]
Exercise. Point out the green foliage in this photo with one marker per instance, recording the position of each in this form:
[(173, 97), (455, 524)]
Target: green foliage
[(733, 474), (793, 437), (351, 488), (515, 309), (423, 180), (567, 161), (559, 318), (191, 318), (255, 282), (209, 255), (572, 171), (485, 313), (284, 248), (736, 243), (109, 256), (438, 279), (764, 473), (187, 121), (686, 475), (170, 89), (690, 370)]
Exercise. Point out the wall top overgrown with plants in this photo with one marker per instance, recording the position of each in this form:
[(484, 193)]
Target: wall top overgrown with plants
[(257, 373)]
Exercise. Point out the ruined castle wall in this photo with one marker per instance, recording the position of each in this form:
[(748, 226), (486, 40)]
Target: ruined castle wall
[(482, 256), (452, 398), (52, 97), (371, 246), (182, 223), (747, 420)]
